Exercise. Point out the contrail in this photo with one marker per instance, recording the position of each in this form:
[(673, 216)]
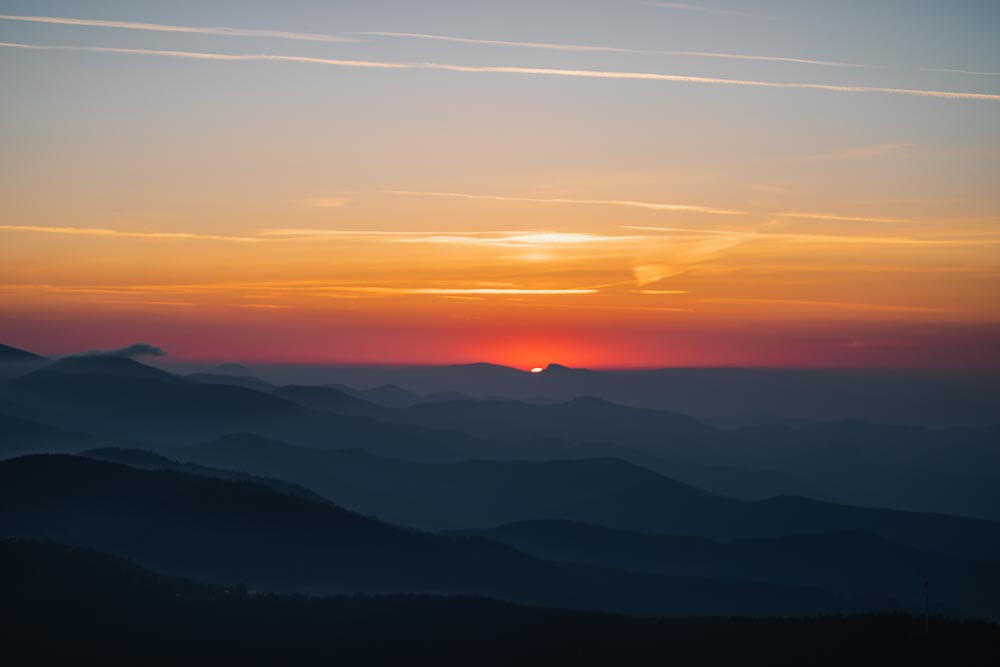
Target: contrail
[(709, 10), (326, 37), (531, 71), (606, 49), (157, 27)]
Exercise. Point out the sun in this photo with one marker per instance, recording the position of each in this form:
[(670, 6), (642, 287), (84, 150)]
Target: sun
[(537, 370)]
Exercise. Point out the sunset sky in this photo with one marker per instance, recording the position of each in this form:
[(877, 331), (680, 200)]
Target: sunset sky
[(601, 183)]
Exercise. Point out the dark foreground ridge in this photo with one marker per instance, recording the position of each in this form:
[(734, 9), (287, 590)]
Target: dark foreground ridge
[(65, 603)]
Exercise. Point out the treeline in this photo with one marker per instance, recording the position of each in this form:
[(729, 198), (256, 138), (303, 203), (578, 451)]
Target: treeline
[(73, 605)]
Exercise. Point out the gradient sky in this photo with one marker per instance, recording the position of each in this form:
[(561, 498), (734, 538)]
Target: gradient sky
[(597, 183)]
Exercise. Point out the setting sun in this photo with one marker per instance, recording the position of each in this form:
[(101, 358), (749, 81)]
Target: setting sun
[(537, 370)]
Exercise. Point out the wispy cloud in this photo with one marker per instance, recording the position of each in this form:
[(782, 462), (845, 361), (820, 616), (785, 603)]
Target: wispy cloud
[(652, 206), (197, 30), (504, 42), (522, 240), (524, 71), (458, 291), (344, 37), (324, 202), (98, 231), (832, 239), (709, 10), (647, 274), (843, 305), (133, 351), (846, 218), (310, 288), (587, 48)]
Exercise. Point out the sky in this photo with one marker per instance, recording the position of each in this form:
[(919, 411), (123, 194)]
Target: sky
[(600, 183)]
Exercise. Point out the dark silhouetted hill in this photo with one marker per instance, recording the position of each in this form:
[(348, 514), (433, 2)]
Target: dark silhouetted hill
[(22, 436), (606, 492), (69, 605), (245, 381), (916, 469), (14, 362), (136, 458), (853, 562), (117, 398), (328, 399), (229, 532), (719, 395)]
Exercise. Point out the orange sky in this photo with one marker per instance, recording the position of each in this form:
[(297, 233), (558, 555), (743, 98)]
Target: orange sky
[(279, 211)]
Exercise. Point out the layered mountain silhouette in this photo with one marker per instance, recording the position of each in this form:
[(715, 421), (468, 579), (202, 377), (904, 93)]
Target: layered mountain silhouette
[(14, 362), (561, 489), (735, 396), (123, 401), (229, 532), (117, 398), (855, 462), (65, 604), (23, 436), (245, 381), (606, 492), (858, 562)]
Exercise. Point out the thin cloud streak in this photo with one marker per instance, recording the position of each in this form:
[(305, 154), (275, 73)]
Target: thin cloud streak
[(653, 206), (196, 30), (534, 239), (586, 48), (589, 48), (527, 71), (816, 238), (503, 42), (828, 304), (321, 37), (306, 288), (98, 231), (708, 10), (323, 202)]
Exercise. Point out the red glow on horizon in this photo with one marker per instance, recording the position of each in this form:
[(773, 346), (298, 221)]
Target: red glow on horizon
[(901, 347)]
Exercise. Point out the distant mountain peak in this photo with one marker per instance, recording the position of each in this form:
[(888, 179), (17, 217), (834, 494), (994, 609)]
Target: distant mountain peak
[(560, 368), (8, 353), (108, 365)]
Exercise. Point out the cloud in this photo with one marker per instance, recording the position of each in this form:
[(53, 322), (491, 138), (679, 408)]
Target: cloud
[(520, 71), (319, 37), (586, 48), (502, 42), (521, 240), (656, 206), (98, 231), (840, 305), (817, 238), (157, 27), (324, 202), (653, 206), (646, 274), (134, 351), (312, 288), (708, 10)]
